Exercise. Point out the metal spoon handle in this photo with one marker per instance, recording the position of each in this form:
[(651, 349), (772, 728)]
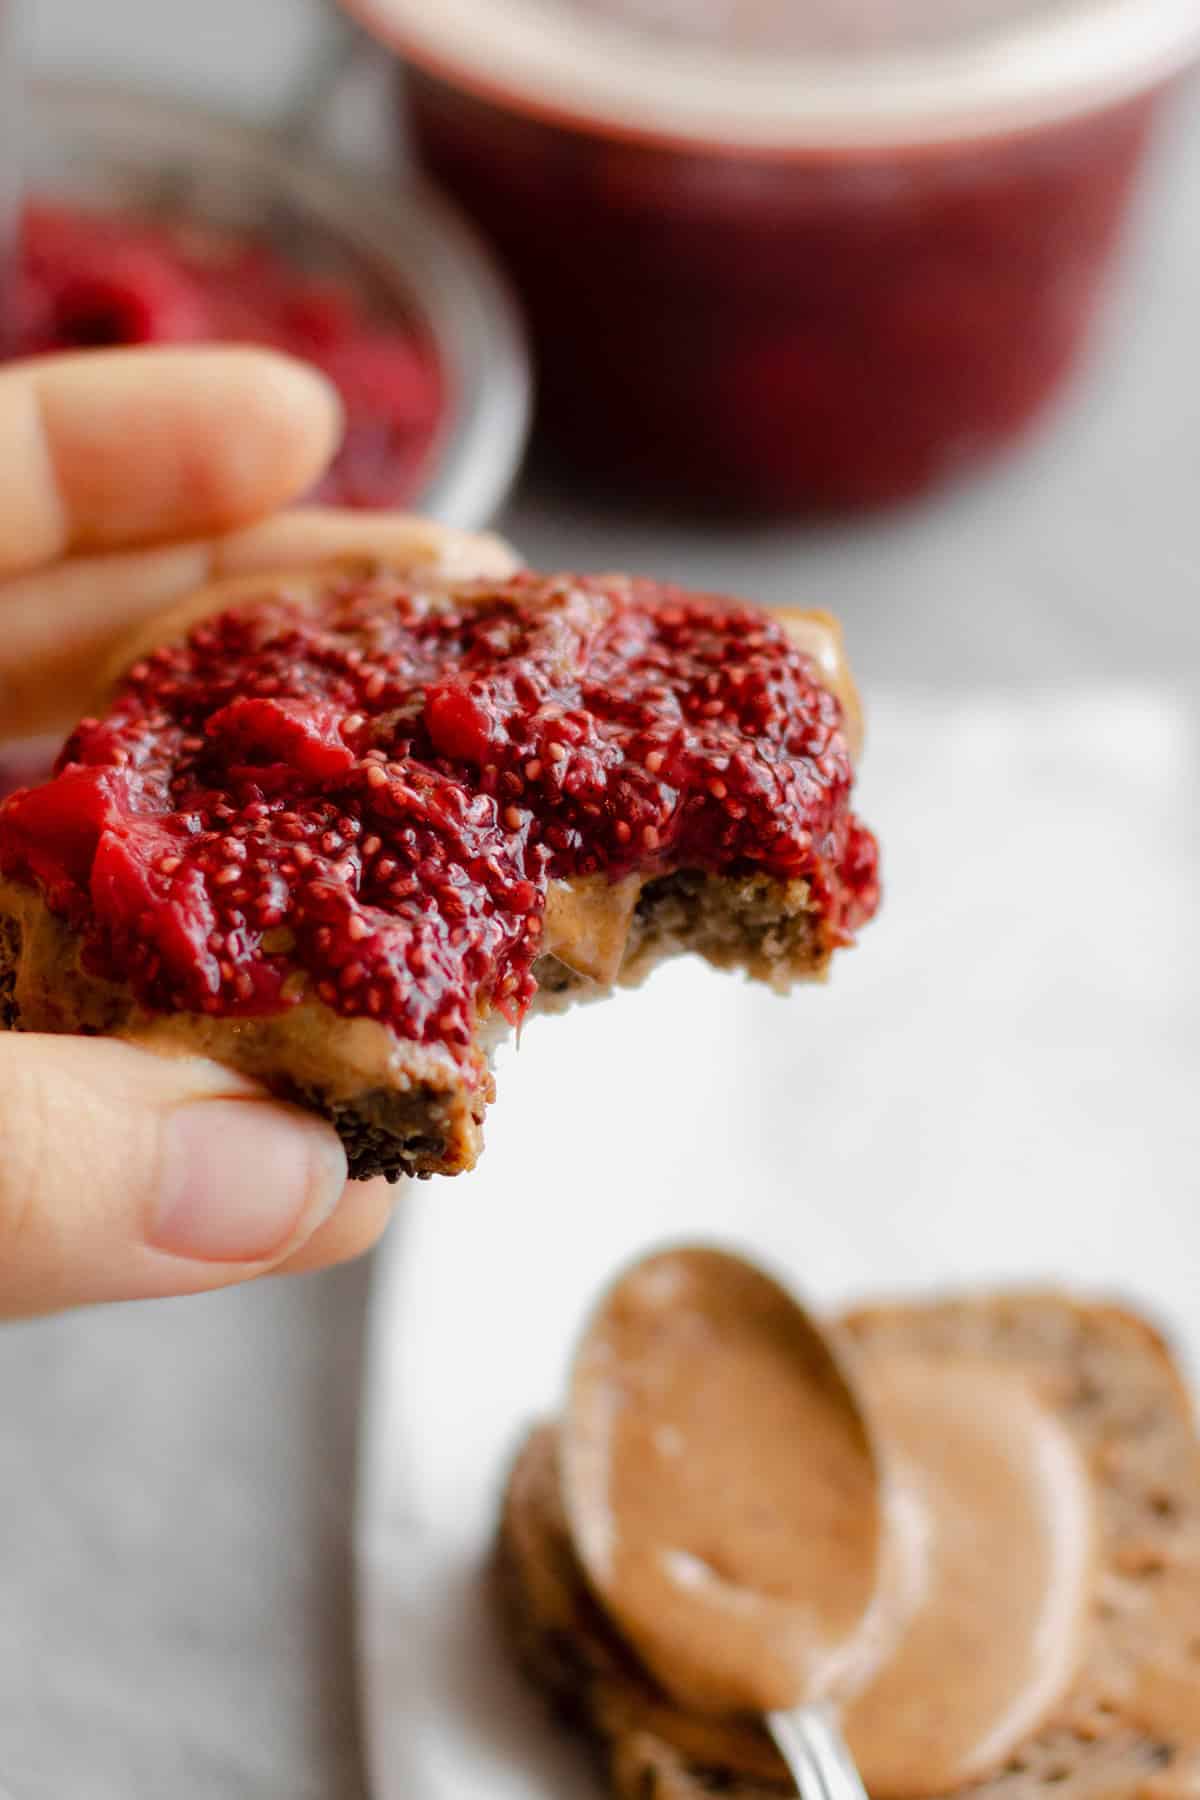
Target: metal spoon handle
[(811, 1744)]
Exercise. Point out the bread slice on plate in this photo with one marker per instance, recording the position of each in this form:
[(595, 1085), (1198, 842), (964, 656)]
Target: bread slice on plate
[(341, 828), (1112, 1382)]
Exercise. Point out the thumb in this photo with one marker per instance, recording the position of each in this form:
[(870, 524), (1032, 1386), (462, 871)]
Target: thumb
[(126, 1174)]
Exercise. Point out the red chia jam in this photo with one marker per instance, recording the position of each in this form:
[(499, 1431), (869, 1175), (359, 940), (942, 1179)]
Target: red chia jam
[(93, 279), (777, 332), (367, 799)]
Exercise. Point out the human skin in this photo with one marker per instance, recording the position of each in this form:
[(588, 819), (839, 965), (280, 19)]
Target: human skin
[(128, 478)]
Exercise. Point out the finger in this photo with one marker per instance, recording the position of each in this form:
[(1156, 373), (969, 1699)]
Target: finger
[(357, 1226), (58, 626), (115, 448), (127, 1175)]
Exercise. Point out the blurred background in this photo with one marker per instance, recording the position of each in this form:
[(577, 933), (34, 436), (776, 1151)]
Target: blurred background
[(886, 309), (988, 302), (243, 56)]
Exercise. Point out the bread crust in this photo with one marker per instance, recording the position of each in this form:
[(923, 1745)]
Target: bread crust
[(1111, 1380)]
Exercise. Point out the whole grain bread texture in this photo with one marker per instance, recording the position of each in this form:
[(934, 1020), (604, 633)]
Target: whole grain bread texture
[(400, 1108), (1111, 1381)]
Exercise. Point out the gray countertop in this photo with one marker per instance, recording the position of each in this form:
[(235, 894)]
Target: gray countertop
[(176, 1477)]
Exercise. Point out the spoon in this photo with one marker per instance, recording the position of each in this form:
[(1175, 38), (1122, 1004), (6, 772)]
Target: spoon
[(725, 1497)]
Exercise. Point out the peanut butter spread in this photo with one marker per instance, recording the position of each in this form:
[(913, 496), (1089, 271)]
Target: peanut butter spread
[(997, 1512), (764, 1540), (587, 924)]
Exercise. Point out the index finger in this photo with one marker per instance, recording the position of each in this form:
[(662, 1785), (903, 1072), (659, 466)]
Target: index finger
[(111, 448)]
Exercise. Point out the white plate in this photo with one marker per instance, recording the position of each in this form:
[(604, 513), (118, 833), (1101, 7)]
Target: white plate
[(1000, 1085)]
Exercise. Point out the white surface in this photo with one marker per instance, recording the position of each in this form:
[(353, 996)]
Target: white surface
[(176, 1479), (998, 1085)]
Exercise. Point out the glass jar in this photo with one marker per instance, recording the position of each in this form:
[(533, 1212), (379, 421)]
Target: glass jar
[(120, 151), (818, 276)]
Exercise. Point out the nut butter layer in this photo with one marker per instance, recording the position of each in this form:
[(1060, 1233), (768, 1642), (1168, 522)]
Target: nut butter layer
[(1128, 1728), (342, 828)]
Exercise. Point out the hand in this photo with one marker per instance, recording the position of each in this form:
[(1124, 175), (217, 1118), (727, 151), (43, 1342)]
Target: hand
[(126, 479)]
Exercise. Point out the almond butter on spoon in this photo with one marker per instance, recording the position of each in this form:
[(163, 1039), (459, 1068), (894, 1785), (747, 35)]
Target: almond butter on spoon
[(906, 1545)]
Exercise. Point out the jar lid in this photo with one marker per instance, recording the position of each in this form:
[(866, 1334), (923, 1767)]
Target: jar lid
[(785, 75)]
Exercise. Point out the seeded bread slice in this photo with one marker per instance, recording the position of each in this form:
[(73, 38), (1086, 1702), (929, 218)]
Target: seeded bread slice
[(400, 1108), (1112, 1382), (405, 1108)]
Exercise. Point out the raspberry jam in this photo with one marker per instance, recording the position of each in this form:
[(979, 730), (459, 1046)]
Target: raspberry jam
[(94, 279), (366, 798), (775, 332)]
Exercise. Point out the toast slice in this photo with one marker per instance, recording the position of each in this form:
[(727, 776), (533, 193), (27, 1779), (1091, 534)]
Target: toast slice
[(1112, 1381), (407, 1096)]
